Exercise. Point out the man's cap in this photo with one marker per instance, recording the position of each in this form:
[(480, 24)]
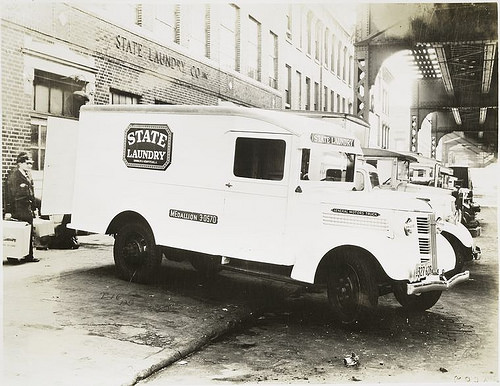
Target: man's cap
[(22, 157)]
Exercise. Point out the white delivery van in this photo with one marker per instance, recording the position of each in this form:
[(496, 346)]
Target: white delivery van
[(263, 191), (393, 168)]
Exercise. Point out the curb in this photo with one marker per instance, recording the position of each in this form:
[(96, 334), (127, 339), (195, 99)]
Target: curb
[(162, 359)]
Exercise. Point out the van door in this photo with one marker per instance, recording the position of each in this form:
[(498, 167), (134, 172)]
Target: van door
[(256, 196)]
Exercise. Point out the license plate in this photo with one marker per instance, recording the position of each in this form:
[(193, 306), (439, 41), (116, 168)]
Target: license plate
[(423, 270)]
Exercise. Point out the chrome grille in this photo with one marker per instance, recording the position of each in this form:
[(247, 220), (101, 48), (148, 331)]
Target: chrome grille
[(424, 245), (423, 225), (424, 229)]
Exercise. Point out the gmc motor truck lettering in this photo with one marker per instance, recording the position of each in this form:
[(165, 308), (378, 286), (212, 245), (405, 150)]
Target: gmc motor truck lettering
[(252, 191)]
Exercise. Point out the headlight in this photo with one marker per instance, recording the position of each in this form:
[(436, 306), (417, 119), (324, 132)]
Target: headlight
[(439, 225), (409, 227)]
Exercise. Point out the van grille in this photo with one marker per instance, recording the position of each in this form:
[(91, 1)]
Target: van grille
[(424, 237), (423, 225), (424, 246)]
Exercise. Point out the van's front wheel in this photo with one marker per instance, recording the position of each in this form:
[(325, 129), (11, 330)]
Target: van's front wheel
[(137, 258), (415, 303), (352, 289)]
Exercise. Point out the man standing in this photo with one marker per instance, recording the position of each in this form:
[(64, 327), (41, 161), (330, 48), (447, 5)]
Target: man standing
[(20, 197)]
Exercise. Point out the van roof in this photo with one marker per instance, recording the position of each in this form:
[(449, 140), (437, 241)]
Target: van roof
[(298, 125), (375, 152)]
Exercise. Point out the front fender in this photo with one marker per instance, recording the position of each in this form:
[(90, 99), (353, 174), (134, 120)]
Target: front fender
[(397, 256), (460, 232), (445, 254)]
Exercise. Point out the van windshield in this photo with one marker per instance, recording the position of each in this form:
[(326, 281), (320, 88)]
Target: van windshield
[(332, 166), (385, 170)]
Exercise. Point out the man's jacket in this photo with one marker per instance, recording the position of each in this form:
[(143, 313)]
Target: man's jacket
[(20, 196)]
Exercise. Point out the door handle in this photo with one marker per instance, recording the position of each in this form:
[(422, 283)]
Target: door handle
[(229, 185)]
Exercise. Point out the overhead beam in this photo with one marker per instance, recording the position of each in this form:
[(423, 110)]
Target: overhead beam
[(488, 62)]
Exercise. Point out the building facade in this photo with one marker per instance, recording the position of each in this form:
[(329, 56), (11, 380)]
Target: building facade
[(56, 57)]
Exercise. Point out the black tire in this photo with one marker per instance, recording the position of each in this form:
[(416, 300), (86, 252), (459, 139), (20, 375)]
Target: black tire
[(207, 266), (137, 258), (352, 288), (415, 303)]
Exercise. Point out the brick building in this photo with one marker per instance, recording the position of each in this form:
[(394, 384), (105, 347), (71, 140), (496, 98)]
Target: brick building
[(56, 57)]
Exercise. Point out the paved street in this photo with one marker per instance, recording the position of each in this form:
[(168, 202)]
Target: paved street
[(456, 341), (69, 320)]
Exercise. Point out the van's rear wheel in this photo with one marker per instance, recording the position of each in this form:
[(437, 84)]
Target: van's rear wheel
[(416, 303), (352, 289), (137, 258)]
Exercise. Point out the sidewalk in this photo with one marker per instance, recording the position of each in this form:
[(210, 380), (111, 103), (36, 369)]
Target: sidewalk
[(69, 321)]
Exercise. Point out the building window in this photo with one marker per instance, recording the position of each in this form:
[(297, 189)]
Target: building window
[(57, 95), (301, 28), (351, 69), (117, 97), (344, 64), (37, 142), (325, 101), (198, 22), (288, 89), (332, 58), (339, 51), (259, 158), (254, 49), (343, 105), (168, 22), (326, 42), (298, 76), (317, 42), (273, 60), (308, 94), (316, 96), (289, 23), (229, 37), (386, 134), (309, 33), (332, 101), (338, 103)]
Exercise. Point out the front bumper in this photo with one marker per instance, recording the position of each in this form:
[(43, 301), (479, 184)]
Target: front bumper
[(436, 283)]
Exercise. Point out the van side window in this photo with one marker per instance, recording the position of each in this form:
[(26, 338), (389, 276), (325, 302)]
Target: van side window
[(259, 158)]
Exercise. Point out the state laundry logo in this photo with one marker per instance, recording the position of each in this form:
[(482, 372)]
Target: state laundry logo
[(147, 146)]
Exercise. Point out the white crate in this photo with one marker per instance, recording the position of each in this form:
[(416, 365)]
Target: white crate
[(43, 227), (16, 239)]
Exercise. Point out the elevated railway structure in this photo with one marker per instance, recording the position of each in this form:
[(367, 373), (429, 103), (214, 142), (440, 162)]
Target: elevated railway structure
[(455, 50)]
